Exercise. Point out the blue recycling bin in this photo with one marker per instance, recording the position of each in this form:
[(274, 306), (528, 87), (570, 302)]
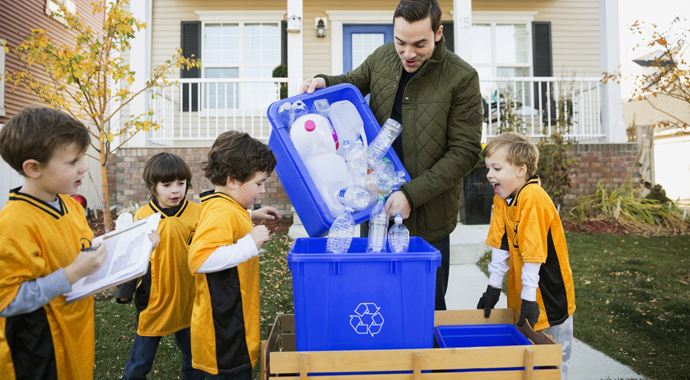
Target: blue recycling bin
[(363, 301), (297, 182)]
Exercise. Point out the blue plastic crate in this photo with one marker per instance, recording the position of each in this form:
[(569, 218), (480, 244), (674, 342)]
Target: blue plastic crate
[(363, 301), (299, 186)]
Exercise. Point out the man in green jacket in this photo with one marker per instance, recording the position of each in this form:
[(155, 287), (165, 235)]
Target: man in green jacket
[(435, 96)]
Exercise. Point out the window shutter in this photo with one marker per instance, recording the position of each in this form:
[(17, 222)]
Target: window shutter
[(191, 45), (283, 42), (542, 59), (449, 34)]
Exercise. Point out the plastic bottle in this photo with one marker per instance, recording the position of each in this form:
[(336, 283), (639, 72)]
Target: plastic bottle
[(384, 175), (300, 109), (357, 164), (322, 108), (286, 115), (379, 147), (329, 173), (346, 150), (355, 197), (347, 121), (400, 178), (341, 233), (398, 236), (378, 227)]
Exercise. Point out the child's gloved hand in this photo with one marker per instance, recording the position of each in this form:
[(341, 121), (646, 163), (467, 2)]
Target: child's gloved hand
[(530, 312), (489, 300)]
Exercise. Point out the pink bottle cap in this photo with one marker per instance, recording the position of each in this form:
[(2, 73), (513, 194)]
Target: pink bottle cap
[(309, 125)]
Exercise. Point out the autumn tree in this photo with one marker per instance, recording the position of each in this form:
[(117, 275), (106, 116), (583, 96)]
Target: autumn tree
[(670, 74), (90, 80)]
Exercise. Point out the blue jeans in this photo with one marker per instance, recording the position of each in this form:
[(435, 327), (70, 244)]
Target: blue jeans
[(244, 375), (144, 350)]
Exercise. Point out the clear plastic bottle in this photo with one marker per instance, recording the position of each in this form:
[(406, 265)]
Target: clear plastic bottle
[(355, 197), (400, 178), (341, 233), (398, 236), (357, 164), (346, 150), (286, 115), (323, 108), (300, 109), (384, 176), (378, 227), (379, 147)]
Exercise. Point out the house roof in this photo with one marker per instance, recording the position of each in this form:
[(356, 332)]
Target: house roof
[(642, 113)]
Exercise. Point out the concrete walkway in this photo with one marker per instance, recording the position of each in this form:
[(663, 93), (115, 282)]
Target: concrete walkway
[(467, 283)]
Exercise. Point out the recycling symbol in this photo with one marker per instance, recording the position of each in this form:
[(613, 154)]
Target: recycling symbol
[(367, 319)]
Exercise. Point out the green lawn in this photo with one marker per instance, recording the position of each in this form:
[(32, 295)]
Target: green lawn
[(633, 300)]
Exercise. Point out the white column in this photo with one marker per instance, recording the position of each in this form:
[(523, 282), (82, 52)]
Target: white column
[(140, 62), (613, 126), (295, 42), (462, 29)]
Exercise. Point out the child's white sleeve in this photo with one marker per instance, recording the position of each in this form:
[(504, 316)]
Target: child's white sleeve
[(230, 256), (498, 267), (530, 281)]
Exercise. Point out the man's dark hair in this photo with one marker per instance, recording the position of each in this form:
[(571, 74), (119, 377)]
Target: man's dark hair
[(238, 156), (416, 10), (36, 133), (166, 167)]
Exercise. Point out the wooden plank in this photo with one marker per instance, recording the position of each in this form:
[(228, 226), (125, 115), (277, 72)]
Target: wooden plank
[(288, 341), (417, 372), (262, 369), (529, 364), (402, 360), (303, 367), (473, 317), (287, 322), (541, 374)]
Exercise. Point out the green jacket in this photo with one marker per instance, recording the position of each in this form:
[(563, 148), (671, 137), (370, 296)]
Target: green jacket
[(442, 122)]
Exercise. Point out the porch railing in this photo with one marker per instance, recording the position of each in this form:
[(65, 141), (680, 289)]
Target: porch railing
[(201, 109), (536, 106)]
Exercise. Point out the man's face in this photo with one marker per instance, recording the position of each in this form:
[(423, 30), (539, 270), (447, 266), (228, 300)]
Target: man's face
[(415, 42)]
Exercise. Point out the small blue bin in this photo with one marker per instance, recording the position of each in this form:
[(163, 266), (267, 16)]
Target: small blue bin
[(461, 336), (363, 301), (299, 186)]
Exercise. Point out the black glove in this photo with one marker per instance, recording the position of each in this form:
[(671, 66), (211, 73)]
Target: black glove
[(530, 312), (489, 300)]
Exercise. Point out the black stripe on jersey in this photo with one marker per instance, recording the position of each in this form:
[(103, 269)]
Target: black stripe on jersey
[(31, 345), (208, 195), (533, 180), (16, 195), (552, 286), (184, 207), (169, 212), (143, 292), (504, 240), (232, 353)]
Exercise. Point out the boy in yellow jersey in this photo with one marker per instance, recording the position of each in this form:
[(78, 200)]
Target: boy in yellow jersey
[(165, 295), (529, 243), (43, 234), (224, 258)]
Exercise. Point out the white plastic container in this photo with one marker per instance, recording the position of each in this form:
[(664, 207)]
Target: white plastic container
[(311, 135), (347, 121), (329, 173)]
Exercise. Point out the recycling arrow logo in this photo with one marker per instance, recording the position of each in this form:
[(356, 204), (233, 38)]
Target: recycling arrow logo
[(367, 319)]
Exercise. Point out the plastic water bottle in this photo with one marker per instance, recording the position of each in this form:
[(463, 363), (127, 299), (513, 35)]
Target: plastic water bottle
[(379, 147), (357, 163), (300, 109), (286, 115), (346, 150), (356, 198), (400, 178), (384, 175), (378, 227), (398, 236), (341, 233)]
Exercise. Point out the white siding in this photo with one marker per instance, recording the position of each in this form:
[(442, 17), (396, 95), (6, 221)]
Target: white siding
[(9, 179)]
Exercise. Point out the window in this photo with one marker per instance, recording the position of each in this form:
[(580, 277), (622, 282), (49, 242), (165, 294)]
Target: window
[(240, 50), (52, 6)]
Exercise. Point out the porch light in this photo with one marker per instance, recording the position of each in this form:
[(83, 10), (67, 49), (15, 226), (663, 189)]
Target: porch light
[(320, 27)]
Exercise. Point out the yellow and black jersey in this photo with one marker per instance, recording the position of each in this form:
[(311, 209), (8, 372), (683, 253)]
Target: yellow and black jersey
[(165, 295), (530, 229), (225, 320), (57, 340)]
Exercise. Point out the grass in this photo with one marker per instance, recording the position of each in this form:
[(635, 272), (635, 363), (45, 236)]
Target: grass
[(633, 300), (115, 323)]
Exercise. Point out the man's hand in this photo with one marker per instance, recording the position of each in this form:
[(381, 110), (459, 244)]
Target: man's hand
[(266, 213), (86, 263), (397, 204), (489, 300), (155, 238), (530, 312), (312, 84), (260, 235)]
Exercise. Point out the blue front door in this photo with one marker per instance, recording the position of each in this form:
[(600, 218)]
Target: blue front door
[(361, 40)]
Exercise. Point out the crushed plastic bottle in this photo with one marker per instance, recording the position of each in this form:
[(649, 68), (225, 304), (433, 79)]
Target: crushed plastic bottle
[(357, 164), (398, 236), (400, 178), (384, 175), (286, 115), (341, 233), (355, 197), (378, 227), (379, 147)]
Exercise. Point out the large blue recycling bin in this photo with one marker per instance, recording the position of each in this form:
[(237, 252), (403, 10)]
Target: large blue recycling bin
[(363, 301), (299, 186)]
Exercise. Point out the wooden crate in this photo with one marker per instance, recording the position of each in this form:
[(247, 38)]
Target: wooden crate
[(279, 358)]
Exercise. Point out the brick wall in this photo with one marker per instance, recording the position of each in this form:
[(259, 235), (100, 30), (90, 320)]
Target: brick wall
[(609, 164), (126, 168)]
